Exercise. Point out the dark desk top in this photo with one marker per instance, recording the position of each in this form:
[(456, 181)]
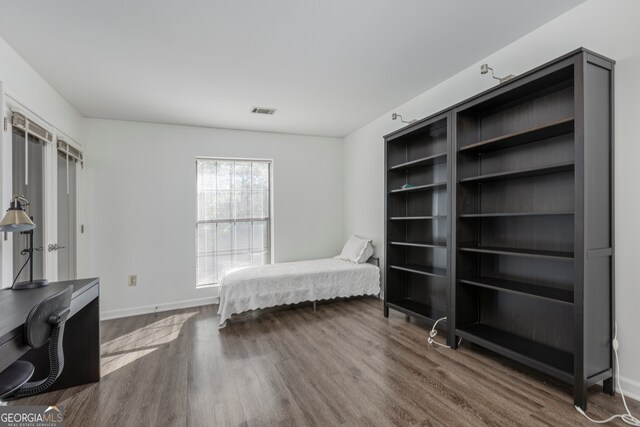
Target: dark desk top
[(15, 305)]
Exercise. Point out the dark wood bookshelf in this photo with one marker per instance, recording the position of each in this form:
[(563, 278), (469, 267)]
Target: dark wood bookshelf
[(423, 187), (509, 230), (532, 253), (512, 214), (535, 171), (532, 221), (421, 269), (424, 161), (534, 134), (417, 219), (533, 290), (417, 309), (421, 244), (551, 361)]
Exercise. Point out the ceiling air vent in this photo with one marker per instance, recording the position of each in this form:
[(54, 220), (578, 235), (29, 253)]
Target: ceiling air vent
[(263, 110)]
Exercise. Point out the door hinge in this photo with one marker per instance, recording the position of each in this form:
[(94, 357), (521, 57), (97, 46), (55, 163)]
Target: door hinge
[(5, 124), (82, 229)]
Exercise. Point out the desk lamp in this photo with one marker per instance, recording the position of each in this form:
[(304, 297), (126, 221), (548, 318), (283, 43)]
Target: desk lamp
[(14, 221)]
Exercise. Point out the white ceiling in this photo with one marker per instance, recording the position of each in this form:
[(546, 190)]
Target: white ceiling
[(328, 66)]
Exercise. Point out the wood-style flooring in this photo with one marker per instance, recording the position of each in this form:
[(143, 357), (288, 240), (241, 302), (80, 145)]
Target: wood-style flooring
[(344, 365)]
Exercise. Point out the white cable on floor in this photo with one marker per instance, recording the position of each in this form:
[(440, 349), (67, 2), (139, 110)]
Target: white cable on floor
[(627, 418), (433, 334)]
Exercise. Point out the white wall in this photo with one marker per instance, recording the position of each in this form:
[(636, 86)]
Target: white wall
[(22, 82), (609, 27), (142, 205)]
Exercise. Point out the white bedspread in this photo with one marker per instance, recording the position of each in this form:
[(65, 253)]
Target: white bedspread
[(294, 282)]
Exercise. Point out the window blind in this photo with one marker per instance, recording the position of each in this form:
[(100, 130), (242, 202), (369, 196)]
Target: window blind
[(233, 216), (20, 121)]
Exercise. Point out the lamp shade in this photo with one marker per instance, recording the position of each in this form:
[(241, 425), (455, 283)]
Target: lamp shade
[(16, 220)]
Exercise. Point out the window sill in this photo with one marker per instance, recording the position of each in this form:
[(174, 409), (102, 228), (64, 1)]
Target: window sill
[(208, 286)]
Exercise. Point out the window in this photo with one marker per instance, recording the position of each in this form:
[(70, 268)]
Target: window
[(233, 228)]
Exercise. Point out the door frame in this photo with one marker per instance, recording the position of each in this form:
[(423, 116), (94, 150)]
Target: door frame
[(10, 104)]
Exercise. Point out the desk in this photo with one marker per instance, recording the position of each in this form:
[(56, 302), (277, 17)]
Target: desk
[(81, 341)]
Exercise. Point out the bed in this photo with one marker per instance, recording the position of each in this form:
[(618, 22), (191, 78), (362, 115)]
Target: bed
[(271, 285)]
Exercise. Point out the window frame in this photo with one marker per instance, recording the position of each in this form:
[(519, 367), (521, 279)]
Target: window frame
[(269, 218)]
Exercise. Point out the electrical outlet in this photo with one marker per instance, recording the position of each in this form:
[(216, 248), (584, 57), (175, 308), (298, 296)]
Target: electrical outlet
[(133, 280)]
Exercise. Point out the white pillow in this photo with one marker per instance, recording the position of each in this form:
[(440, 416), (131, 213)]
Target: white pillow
[(368, 252), (356, 250)]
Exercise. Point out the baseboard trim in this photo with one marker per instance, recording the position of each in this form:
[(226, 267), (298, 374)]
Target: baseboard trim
[(156, 308), (630, 387)]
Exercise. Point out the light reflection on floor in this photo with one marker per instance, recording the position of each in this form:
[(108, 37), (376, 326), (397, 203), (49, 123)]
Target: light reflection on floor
[(128, 348)]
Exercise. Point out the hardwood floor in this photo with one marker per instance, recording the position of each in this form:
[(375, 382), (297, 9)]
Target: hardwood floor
[(341, 365)]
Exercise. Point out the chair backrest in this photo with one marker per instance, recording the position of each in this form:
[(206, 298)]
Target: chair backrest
[(41, 318)]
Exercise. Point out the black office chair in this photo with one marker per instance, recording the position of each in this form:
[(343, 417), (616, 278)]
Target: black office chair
[(45, 323)]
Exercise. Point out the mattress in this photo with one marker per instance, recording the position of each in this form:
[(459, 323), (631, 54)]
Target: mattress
[(271, 285)]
